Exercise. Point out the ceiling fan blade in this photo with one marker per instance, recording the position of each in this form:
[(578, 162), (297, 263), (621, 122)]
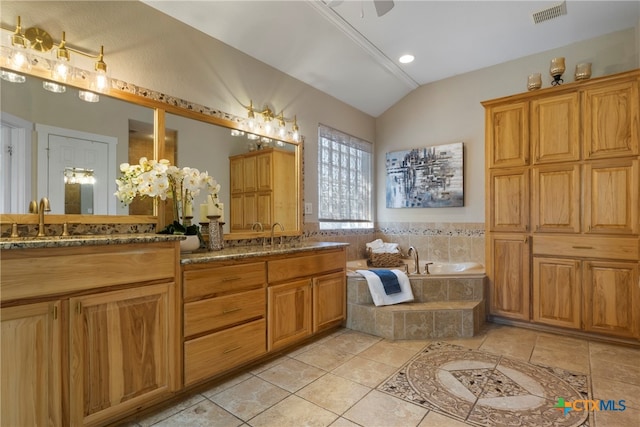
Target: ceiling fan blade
[(383, 6)]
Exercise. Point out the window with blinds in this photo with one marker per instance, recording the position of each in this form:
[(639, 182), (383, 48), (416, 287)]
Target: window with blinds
[(345, 180)]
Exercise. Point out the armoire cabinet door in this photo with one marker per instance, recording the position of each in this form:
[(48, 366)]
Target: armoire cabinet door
[(508, 135), (612, 298), (557, 292), (509, 285), (555, 122), (611, 120), (556, 198), (509, 198), (611, 196)]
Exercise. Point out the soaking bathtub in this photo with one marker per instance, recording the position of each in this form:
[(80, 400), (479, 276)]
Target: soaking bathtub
[(450, 301), (436, 269)]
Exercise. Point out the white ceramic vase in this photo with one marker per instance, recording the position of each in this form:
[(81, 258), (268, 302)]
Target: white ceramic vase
[(190, 244)]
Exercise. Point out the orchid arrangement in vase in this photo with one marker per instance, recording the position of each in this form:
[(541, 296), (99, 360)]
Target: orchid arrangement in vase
[(158, 178)]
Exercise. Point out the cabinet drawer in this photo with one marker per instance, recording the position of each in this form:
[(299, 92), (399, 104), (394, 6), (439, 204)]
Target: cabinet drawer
[(220, 280), (212, 354), (29, 273), (215, 313), (587, 247), (303, 266)]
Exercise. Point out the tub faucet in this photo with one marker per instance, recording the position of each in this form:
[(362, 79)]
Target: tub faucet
[(273, 227), (416, 259), (426, 268), (44, 207)]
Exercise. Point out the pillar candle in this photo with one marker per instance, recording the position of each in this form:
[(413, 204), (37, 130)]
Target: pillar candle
[(188, 208), (211, 207), (204, 211), (221, 207)]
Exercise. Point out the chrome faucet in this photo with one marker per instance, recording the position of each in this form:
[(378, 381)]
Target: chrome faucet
[(260, 228), (426, 267), (273, 227), (43, 207), (416, 259)]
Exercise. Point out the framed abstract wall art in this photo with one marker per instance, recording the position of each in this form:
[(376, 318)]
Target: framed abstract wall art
[(430, 177)]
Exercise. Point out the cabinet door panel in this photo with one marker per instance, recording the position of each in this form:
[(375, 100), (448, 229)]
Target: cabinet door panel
[(289, 313), (509, 200), (610, 117), (329, 300), (508, 135), (30, 365), (612, 298), (509, 276), (556, 199), (555, 128), (119, 351), (611, 196), (557, 292)]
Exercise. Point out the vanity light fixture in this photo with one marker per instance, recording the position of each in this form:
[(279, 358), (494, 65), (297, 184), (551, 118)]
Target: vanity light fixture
[(54, 87), (87, 96), (268, 126), (12, 77), (78, 176), (60, 66)]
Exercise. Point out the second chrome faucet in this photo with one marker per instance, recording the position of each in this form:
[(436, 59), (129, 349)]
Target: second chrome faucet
[(273, 227)]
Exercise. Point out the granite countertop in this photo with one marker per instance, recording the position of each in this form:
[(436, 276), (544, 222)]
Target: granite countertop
[(83, 240), (202, 256)]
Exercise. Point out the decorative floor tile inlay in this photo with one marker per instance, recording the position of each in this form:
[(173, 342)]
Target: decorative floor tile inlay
[(486, 389)]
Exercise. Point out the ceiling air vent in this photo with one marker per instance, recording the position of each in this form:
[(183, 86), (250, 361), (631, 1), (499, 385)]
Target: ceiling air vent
[(550, 13)]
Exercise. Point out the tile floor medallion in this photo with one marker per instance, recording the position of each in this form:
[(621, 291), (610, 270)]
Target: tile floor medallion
[(486, 389)]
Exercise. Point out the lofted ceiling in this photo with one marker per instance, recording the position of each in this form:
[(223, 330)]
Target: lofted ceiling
[(345, 50)]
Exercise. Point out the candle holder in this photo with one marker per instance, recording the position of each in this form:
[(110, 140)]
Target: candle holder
[(187, 220), (556, 70), (215, 233), (583, 71), (534, 81)]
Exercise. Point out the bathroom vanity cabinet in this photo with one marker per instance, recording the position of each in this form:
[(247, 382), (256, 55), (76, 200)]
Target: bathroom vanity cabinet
[(224, 316), (88, 333), (263, 189), (563, 188), (306, 294)]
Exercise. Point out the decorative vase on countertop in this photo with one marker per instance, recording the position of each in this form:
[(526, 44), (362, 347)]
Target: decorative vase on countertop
[(190, 244)]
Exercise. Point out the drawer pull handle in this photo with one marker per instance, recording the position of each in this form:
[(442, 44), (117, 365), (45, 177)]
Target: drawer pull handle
[(232, 349), (582, 247), (231, 279), (233, 310)]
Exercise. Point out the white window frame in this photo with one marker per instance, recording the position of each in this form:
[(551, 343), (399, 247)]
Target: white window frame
[(345, 180)]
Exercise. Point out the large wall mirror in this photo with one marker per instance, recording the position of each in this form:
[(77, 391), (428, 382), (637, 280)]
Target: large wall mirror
[(57, 137)]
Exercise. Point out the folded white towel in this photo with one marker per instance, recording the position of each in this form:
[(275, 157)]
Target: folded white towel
[(376, 244), (377, 289)]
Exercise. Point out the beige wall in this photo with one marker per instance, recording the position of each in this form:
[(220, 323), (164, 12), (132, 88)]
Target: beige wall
[(149, 49), (449, 111)]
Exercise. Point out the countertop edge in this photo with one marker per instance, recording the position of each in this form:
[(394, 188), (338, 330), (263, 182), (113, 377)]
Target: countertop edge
[(242, 252), (93, 240)]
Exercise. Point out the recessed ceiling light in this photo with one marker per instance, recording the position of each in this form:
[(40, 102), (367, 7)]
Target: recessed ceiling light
[(405, 59)]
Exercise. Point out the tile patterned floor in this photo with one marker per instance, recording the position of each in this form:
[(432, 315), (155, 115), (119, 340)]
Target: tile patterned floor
[(333, 382)]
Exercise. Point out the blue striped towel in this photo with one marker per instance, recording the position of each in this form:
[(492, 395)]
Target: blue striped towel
[(389, 281)]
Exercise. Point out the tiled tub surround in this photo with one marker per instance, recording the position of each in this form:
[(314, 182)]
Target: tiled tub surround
[(444, 307), (435, 241)]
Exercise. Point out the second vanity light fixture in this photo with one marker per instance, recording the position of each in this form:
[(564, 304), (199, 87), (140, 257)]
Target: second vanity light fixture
[(19, 58), (272, 125)]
